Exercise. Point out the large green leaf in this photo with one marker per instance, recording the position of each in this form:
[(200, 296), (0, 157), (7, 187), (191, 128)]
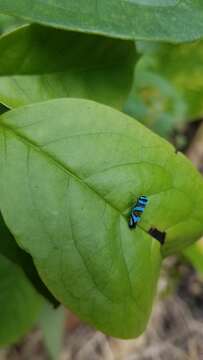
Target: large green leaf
[(8, 245), (70, 171), (40, 63), (169, 20), (19, 302), (8, 23)]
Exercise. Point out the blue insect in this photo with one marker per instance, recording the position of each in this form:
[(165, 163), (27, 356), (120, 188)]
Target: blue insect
[(137, 210)]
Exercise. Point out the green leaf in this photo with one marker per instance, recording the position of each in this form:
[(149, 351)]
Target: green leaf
[(8, 23), (41, 63), (52, 324), (8, 245), (166, 20), (19, 302), (71, 170), (10, 249), (194, 254)]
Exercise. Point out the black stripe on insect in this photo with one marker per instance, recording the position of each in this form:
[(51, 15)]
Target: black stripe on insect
[(137, 210)]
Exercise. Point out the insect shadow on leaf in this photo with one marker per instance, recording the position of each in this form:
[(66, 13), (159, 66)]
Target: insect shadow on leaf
[(158, 235)]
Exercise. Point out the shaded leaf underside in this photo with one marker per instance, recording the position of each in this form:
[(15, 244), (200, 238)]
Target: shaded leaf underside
[(41, 63), (19, 302), (10, 250)]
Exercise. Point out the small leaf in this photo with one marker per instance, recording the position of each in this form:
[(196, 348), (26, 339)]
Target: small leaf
[(19, 302), (194, 254), (52, 323), (70, 171), (166, 20), (41, 63)]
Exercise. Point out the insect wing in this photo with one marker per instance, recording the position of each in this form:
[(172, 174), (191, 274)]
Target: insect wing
[(131, 223)]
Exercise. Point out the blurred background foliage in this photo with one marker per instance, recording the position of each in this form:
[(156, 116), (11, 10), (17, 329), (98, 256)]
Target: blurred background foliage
[(168, 86), (194, 255)]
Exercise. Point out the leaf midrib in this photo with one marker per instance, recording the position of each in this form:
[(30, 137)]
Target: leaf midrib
[(57, 163), (61, 166)]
